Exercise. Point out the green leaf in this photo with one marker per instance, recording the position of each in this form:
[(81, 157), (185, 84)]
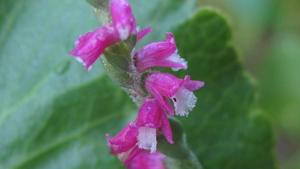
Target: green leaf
[(53, 113), (225, 130), (69, 131)]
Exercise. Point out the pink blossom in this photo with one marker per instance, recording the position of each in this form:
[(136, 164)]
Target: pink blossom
[(141, 159), (90, 46), (125, 140), (150, 120), (122, 18), (160, 54), (164, 86)]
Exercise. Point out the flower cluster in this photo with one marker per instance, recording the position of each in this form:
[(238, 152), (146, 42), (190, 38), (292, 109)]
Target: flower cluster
[(136, 144)]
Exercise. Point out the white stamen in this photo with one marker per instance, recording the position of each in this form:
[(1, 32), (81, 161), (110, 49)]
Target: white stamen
[(177, 59), (184, 102), (147, 139)]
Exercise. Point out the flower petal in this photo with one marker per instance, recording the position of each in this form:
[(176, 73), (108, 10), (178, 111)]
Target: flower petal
[(166, 129), (146, 160), (192, 85), (122, 18), (160, 54), (184, 101), (142, 33), (91, 45), (124, 140), (147, 138), (150, 114), (166, 84), (162, 101)]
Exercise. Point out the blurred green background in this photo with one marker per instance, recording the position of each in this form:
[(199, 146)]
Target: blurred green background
[(267, 36)]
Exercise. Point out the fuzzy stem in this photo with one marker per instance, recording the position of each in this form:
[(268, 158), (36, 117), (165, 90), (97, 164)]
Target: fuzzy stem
[(119, 64)]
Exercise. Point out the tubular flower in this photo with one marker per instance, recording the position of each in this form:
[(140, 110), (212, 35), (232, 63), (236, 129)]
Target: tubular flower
[(89, 47), (124, 146), (150, 120), (164, 86), (160, 54)]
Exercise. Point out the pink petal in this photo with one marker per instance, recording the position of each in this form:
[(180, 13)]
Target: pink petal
[(150, 114), (164, 83), (151, 63), (91, 45), (146, 160), (192, 85), (132, 154), (144, 32), (166, 129), (124, 140), (160, 54), (122, 18), (158, 49), (162, 101)]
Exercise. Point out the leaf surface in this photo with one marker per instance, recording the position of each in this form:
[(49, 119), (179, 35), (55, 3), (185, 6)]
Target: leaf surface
[(226, 130)]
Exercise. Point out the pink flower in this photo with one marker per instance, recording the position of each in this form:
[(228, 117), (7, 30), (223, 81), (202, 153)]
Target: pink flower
[(141, 159), (150, 120), (90, 46), (122, 18), (160, 54), (125, 140), (164, 86)]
